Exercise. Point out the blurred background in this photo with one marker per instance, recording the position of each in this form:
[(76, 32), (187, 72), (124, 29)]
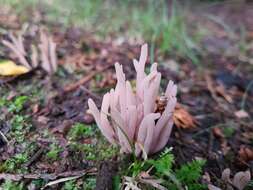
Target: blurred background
[(204, 46), (182, 29)]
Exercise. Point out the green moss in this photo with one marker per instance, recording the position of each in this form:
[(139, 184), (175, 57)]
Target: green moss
[(15, 163), (10, 185), (54, 152), (79, 131)]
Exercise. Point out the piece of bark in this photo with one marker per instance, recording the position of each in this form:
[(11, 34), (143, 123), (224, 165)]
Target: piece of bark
[(107, 170)]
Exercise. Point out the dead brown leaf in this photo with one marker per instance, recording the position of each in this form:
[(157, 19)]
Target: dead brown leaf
[(43, 119), (218, 132), (241, 114), (35, 108), (224, 147), (245, 154), (220, 90), (217, 90), (182, 118), (247, 136)]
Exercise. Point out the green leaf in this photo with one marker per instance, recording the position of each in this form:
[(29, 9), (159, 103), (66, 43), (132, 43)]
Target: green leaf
[(116, 182), (164, 163), (190, 172)]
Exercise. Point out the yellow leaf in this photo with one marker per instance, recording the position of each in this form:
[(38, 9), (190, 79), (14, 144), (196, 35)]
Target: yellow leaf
[(9, 68)]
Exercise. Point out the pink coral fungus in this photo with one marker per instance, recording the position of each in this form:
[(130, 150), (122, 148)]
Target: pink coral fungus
[(130, 119)]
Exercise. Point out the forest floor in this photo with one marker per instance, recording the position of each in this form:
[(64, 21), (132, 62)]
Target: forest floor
[(48, 135)]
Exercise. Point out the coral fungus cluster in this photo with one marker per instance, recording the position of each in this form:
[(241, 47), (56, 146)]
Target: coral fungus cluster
[(131, 118)]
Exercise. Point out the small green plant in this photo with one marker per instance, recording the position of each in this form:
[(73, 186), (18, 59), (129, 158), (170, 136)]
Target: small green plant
[(164, 163), (80, 130), (14, 106), (18, 104), (14, 163), (10, 185), (18, 122), (54, 152), (176, 38), (90, 183), (229, 131), (249, 186), (3, 102), (70, 185), (19, 126), (38, 183), (187, 175)]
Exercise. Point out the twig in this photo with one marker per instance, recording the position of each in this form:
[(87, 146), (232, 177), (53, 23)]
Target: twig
[(2, 136), (246, 94), (210, 144), (90, 93), (62, 180), (206, 129), (53, 176), (6, 80), (85, 79), (34, 157), (209, 84)]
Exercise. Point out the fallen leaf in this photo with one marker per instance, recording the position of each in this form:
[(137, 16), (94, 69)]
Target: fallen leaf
[(218, 132), (35, 108), (43, 119), (145, 178), (220, 90), (245, 154), (182, 118), (241, 179), (241, 114), (61, 180), (63, 128), (226, 175), (248, 136), (206, 177), (9, 68), (212, 187)]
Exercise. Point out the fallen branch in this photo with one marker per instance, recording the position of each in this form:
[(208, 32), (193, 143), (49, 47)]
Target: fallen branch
[(53, 176), (62, 180), (210, 87), (91, 94), (85, 79), (34, 157), (3, 138)]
